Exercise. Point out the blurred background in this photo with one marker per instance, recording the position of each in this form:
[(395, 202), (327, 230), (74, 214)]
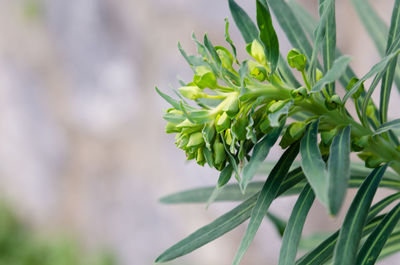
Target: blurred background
[(84, 157)]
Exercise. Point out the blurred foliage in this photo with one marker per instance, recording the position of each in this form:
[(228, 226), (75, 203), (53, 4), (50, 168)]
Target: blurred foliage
[(19, 245)]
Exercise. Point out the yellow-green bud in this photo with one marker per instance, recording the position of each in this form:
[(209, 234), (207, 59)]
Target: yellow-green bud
[(257, 71), (225, 56), (192, 92), (265, 125), (228, 137), (219, 153), (359, 91), (327, 136), (204, 77), (298, 93), (318, 74), (332, 102), (223, 122), (256, 50), (200, 159), (239, 128), (195, 139), (231, 106), (276, 106), (359, 144), (296, 59), (297, 129), (171, 128), (186, 123)]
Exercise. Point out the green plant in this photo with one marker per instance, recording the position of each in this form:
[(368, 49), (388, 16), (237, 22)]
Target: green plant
[(242, 108)]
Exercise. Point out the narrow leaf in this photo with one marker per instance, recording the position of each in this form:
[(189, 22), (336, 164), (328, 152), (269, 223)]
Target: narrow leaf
[(377, 68), (329, 45), (372, 247), (212, 51), (323, 252), (260, 152), (312, 163), (351, 231), (336, 71), (292, 235), (244, 23), (265, 198), (217, 228), (388, 77), (279, 223), (267, 35), (291, 26), (394, 124), (338, 169)]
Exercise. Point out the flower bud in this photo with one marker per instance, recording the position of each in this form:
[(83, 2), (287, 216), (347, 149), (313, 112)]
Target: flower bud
[(225, 56), (318, 74), (181, 141), (223, 122), (265, 125), (327, 136), (332, 102), (192, 92), (228, 137), (200, 159), (204, 77), (239, 128), (296, 60), (359, 91), (298, 93), (256, 50), (297, 129), (274, 107), (257, 71), (371, 160), (231, 106), (195, 139), (219, 153), (171, 128), (359, 144)]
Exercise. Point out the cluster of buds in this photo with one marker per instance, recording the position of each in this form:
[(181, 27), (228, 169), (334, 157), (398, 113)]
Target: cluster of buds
[(238, 104), (233, 109)]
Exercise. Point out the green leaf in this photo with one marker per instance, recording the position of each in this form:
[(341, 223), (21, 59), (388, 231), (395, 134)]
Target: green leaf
[(286, 73), (334, 73), (387, 80), (275, 116), (326, 8), (170, 100), (291, 26), (228, 38), (351, 231), (292, 235), (309, 23), (323, 252), (232, 192), (260, 152), (394, 124), (267, 35), (244, 23), (312, 163), (207, 233), (377, 68), (376, 28), (212, 51), (225, 176), (279, 223), (338, 169), (392, 246), (372, 247), (224, 223), (265, 198), (329, 45)]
